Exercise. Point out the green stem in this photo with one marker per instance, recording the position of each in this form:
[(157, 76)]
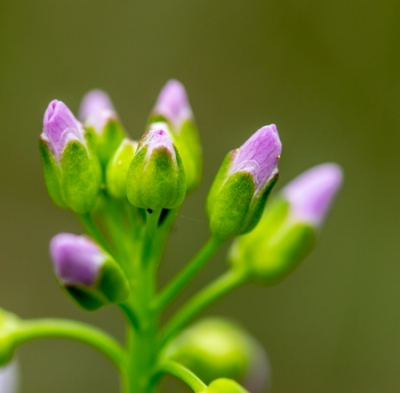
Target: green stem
[(129, 311), (93, 231), (181, 372), (214, 291), (58, 328), (188, 273), (142, 343)]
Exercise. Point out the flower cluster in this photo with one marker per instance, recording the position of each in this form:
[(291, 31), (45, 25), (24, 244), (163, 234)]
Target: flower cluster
[(127, 194)]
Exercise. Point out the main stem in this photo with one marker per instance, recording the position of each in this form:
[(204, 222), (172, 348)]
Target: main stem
[(142, 344)]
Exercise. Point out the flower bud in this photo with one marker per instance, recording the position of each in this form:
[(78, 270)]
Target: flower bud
[(243, 183), (72, 172), (117, 168), (87, 273), (156, 178), (288, 230), (216, 348), (225, 385), (9, 378), (8, 329), (173, 107), (98, 114)]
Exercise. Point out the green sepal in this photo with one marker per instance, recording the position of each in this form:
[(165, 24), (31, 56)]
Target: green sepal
[(257, 206), (52, 175), (275, 247), (231, 205), (107, 142), (224, 385), (157, 182), (117, 169), (187, 141), (218, 182), (8, 328), (214, 348), (86, 298), (81, 176), (112, 283), (110, 287)]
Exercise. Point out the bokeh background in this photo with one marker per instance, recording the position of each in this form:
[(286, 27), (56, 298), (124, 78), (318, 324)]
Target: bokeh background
[(326, 72)]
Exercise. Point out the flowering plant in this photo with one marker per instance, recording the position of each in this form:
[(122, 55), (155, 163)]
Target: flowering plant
[(127, 195)]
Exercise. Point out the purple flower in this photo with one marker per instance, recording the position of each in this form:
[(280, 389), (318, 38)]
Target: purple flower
[(158, 137), (311, 194), (96, 110), (173, 104), (60, 127), (9, 378), (77, 260), (259, 156)]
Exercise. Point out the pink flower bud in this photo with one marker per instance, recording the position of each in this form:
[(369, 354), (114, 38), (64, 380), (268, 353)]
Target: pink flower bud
[(96, 110), (158, 137), (311, 194), (76, 259), (59, 127), (259, 156), (173, 104)]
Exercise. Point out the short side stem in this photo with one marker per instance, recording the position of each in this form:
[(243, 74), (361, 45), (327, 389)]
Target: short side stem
[(184, 374), (188, 273), (214, 291), (58, 328)]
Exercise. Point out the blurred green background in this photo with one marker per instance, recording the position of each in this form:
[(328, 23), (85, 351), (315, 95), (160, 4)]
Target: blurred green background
[(326, 72)]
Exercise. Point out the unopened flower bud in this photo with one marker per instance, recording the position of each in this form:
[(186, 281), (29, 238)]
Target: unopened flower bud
[(173, 107), (97, 113), (216, 348), (156, 178), (72, 171), (117, 168), (8, 329), (9, 378), (243, 183), (87, 273), (225, 385), (288, 230)]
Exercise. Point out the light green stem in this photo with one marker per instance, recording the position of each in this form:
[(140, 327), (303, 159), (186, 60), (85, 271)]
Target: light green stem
[(214, 291), (181, 372), (188, 273), (58, 328), (93, 231)]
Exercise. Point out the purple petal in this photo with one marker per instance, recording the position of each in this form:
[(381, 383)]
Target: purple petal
[(76, 259), (158, 137), (96, 110), (173, 104), (311, 194), (9, 378), (259, 156), (60, 126)]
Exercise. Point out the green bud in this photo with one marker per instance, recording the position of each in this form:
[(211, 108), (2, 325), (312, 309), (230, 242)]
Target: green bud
[(8, 328), (156, 178), (224, 385), (98, 115), (215, 348), (288, 230), (117, 168), (275, 247), (173, 107), (108, 141), (241, 188), (72, 172)]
